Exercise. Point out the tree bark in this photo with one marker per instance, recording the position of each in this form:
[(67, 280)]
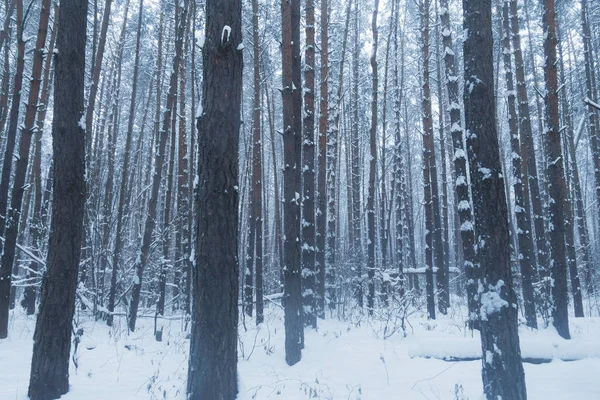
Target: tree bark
[(213, 352), (49, 377), (502, 371), (292, 142)]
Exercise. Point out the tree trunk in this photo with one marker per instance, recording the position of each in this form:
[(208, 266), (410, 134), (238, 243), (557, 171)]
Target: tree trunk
[(27, 130), (556, 178), (525, 250), (292, 142), (49, 377), (309, 272), (502, 372), (213, 352), (11, 136), (321, 195), (461, 187)]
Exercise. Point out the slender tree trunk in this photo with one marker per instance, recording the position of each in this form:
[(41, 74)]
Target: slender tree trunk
[(556, 178), (525, 250), (332, 167), (256, 221), (461, 187), (428, 164), (372, 168), (11, 136), (292, 141), (11, 231), (49, 377), (150, 222), (321, 205), (309, 272)]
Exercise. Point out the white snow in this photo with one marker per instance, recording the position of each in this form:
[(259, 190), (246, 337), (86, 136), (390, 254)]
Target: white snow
[(342, 360), (225, 34)]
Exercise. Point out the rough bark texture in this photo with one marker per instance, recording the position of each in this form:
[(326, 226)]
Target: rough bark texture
[(49, 377), (292, 142), (502, 371), (213, 353), (557, 188)]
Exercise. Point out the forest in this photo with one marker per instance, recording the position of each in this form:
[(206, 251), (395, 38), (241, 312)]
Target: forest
[(299, 199)]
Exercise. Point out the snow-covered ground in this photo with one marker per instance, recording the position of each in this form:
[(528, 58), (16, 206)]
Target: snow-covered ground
[(342, 360)]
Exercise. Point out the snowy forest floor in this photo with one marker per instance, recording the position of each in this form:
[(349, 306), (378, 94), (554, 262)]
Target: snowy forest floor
[(342, 360)]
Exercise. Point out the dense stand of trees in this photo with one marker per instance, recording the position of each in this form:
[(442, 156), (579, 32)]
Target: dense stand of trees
[(329, 184)]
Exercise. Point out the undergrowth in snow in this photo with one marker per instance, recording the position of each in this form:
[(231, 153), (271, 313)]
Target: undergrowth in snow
[(358, 358)]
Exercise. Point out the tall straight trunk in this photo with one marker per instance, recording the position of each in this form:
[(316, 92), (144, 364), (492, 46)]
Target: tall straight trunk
[(213, 352), (107, 206), (571, 171), (49, 378), (150, 222), (4, 87), (502, 371), (399, 175), (332, 168), (165, 263), (372, 168), (277, 200), (429, 171), (182, 230), (461, 186), (292, 142), (321, 205), (11, 231), (445, 283), (525, 248), (309, 286), (95, 75), (384, 216), (123, 204), (356, 169), (36, 220), (556, 178), (11, 136), (526, 134), (591, 93), (408, 200), (255, 221)]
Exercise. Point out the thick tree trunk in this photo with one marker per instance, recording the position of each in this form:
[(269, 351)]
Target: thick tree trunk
[(292, 142), (213, 352), (502, 372), (49, 377)]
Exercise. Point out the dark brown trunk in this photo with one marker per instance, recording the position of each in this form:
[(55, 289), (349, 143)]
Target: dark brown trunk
[(49, 377), (502, 372), (555, 175), (213, 353)]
